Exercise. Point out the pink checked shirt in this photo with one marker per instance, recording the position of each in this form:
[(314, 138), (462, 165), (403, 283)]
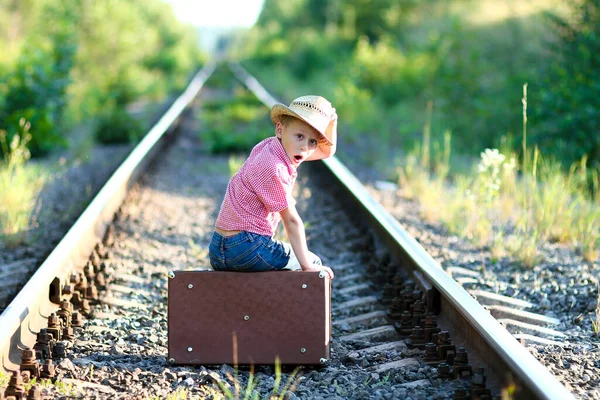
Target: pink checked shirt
[(259, 190)]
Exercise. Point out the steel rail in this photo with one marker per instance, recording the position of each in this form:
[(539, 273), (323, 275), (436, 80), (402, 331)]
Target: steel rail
[(490, 344), (29, 310)]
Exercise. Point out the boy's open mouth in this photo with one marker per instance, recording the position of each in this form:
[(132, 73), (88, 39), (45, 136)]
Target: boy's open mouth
[(297, 158)]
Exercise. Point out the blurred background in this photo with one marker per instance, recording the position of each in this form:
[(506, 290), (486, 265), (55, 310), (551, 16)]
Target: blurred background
[(392, 67), (416, 83)]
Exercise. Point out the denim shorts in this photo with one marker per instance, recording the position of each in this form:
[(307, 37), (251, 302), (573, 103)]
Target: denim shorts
[(247, 252)]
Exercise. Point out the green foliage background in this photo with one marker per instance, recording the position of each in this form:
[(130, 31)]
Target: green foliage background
[(382, 62), (63, 62), (569, 111)]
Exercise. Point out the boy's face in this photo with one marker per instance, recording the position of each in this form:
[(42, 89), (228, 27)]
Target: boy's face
[(298, 138)]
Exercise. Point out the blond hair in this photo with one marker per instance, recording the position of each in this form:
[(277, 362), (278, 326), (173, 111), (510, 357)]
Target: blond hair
[(285, 121)]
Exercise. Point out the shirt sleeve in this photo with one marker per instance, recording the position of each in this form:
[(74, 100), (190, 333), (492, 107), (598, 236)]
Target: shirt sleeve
[(272, 185)]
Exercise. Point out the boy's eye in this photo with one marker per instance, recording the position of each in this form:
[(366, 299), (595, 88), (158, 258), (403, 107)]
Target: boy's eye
[(313, 142)]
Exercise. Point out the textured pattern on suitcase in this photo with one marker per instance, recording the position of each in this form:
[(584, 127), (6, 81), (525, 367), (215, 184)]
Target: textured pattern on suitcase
[(273, 314)]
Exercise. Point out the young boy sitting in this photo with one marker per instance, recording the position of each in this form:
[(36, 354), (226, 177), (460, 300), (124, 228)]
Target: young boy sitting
[(259, 195)]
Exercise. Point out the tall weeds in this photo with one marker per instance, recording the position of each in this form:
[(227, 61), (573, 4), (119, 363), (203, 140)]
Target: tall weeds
[(237, 391), (523, 243), (20, 185), (509, 208)]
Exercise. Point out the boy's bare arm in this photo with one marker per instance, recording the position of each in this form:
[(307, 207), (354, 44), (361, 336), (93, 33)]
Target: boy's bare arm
[(294, 227)]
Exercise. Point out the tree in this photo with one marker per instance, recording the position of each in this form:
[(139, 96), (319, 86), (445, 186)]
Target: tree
[(568, 112)]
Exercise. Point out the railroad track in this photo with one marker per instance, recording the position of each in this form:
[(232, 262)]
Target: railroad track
[(390, 298)]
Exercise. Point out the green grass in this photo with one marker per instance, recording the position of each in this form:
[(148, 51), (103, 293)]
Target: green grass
[(596, 321), (20, 185), (509, 205), (234, 163), (234, 124), (4, 379), (57, 387), (233, 389), (180, 393)]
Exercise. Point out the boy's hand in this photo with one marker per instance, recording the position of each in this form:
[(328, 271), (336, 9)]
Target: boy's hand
[(334, 119), (330, 133), (315, 267)]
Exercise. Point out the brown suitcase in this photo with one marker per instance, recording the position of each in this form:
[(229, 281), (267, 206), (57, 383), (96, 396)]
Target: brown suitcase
[(261, 316)]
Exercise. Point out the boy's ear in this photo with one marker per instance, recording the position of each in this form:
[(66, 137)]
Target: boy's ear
[(279, 129)]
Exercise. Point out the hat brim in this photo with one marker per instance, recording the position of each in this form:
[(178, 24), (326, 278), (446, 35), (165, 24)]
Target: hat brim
[(279, 110)]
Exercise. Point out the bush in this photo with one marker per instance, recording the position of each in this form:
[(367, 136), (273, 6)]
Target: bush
[(390, 74), (227, 141), (310, 54), (118, 127), (566, 115), (19, 187), (36, 90)]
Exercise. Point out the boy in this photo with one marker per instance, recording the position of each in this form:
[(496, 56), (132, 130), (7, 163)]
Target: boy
[(259, 195)]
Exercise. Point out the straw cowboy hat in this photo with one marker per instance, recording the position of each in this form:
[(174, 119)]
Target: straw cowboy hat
[(315, 111)]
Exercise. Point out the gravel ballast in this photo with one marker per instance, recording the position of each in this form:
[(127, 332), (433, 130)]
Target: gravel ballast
[(166, 226), (562, 286)]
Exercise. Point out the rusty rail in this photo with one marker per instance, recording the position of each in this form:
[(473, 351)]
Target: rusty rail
[(29, 310)]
